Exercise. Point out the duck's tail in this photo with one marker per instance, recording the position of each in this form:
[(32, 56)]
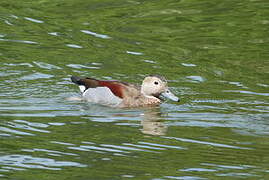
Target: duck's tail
[(76, 80), (85, 83)]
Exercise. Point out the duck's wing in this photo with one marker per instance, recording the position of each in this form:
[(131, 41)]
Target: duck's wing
[(102, 91), (85, 84)]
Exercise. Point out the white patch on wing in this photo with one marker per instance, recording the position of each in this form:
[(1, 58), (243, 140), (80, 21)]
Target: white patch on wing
[(101, 95), (82, 88)]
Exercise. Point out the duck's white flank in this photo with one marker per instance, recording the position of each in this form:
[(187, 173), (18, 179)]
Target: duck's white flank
[(101, 95)]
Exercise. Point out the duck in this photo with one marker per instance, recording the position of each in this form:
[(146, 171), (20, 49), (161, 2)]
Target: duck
[(122, 94)]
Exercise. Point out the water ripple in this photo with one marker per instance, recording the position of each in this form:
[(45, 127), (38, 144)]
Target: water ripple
[(103, 36), (74, 46), (247, 92), (162, 145), (62, 143), (195, 79), (35, 76), (206, 143), (16, 132), (144, 146), (188, 64), (54, 33), (121, 147), (19, 41), (80, 66), (26, 127), (185, 177), (134, 53), (27, 161), (33, 20), (44, 65), (48, 151), (198, 170), (102, 149)]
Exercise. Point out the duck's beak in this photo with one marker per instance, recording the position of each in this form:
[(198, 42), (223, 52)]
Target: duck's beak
[(168, 94)]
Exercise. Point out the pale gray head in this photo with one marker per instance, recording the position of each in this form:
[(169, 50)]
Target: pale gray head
[(156, 85)]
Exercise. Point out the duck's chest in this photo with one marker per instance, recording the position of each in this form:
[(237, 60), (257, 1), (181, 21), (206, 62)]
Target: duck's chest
[(141, 101)]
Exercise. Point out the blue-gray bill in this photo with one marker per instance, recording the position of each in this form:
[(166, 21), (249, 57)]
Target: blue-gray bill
[(168, 94)]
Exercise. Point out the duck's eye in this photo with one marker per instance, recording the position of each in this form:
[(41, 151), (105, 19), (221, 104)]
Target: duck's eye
[(156, 83)]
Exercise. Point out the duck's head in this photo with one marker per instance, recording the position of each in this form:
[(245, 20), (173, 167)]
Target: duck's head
[(156, 85)]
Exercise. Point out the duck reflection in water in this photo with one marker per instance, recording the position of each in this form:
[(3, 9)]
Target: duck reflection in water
[(152, 119), (152, 122)]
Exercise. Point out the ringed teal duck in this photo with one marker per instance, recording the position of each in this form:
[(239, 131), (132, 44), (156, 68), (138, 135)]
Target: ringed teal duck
[(122, 94)]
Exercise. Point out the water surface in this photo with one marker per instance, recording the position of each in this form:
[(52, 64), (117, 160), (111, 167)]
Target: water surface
[(214, 54)]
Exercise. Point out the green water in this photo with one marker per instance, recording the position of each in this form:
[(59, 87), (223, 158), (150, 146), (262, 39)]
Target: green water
[(214, 53)]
